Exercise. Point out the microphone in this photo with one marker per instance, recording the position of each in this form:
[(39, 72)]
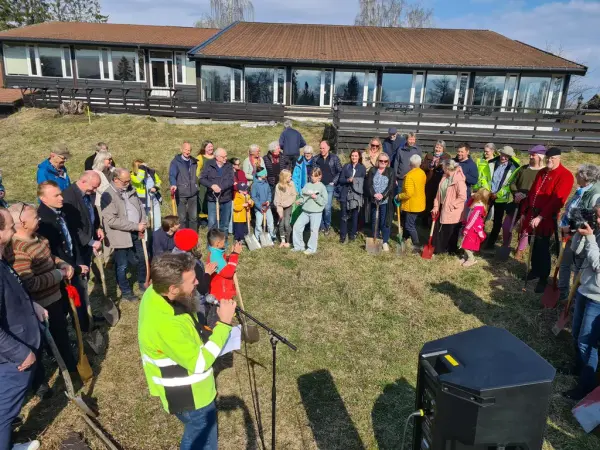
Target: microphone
[(211, 299)]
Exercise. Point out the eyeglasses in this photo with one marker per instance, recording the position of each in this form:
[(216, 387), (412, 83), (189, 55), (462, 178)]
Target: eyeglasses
[(384, 161), (375, 146), (123, 181), (23, 206)]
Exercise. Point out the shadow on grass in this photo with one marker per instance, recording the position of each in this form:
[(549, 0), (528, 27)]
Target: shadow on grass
[(231, 403), (330, 422), (391, 408)]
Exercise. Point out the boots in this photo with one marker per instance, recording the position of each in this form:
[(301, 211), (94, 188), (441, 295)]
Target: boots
[(519, 255)]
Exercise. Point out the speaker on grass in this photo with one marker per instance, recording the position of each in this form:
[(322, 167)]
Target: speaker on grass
[(482, 389)]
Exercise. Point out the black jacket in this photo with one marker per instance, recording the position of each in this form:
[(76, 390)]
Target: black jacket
[(361, 172), (19, 326), (78, 220), (184, 176), (334, 165), (210, 175), (162, 243), (273, 170), (291, 141), (388, 193), (50, 228)]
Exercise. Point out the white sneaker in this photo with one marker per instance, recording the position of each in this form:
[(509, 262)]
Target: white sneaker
[(386, 248), (33, 445)]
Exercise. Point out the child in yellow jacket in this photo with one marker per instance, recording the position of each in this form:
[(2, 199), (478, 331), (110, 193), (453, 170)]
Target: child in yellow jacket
[(242, 203)]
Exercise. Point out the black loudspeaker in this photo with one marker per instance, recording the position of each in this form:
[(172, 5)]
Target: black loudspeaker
[(483, 389)]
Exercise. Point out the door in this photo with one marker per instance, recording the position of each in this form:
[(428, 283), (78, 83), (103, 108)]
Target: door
[(161, 77)]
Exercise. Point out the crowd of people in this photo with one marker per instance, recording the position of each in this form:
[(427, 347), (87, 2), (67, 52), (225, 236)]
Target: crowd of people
[(117, 211)]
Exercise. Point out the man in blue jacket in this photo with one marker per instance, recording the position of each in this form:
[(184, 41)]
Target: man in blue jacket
[(401, 163), (331, 167), (20, 341), (290, 141), (392, 143), (53, 168), (217, 176), (182, 177), (467, 165)]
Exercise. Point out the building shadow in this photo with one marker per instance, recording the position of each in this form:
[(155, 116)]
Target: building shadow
[(392, 407), (330, 422)]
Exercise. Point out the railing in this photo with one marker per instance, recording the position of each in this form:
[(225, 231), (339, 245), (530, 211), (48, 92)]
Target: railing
[(182, 103), (520, 127)]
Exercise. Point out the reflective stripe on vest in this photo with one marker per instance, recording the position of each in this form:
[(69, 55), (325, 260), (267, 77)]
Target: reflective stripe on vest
[(166, 362), (182, 381)]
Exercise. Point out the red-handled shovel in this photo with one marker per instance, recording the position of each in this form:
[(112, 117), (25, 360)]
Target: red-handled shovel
[(429, 248), (551, 294)]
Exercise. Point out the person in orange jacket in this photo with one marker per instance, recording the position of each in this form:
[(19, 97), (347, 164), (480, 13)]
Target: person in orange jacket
[(221, 283)]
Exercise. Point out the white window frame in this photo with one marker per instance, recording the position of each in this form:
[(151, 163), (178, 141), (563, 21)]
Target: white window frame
[(550, 93), (232, 86), (457, 91), (322, 90), (276, 85), (38, 64), (366, 87), (413, 87), (65, 62), (137, 66), (110, 65), (110, 68), (183, 67), (505, 95)]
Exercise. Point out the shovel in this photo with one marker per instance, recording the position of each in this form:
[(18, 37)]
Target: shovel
[(551, 293), (565, 316), (250, 239), (401, 247), (373, 246), (112, 313), (503, 252), (529, 259), (428, 249), (265, 237), (173, 204), (146, 258), (250, 331), (83, 365)]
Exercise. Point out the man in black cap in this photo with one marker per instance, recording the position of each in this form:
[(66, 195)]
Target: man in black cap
[(547, 196), (391, 144)]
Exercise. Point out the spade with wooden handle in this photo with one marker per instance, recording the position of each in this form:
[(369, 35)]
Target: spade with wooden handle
[(83, 365), (251, 331), (565, 315)]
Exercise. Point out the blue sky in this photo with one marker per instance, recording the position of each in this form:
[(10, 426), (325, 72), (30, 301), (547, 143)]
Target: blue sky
[(571, 25)]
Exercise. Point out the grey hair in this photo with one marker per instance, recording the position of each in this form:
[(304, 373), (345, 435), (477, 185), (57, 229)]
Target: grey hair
[(411, 134), (307, 149), (98, 163), (120, 171), (253, 148), (450, 164), (287, 124), (442, 143), (100, 146), (491, 146), (273, 145), (415, 160), (220, 151), (589, 172)]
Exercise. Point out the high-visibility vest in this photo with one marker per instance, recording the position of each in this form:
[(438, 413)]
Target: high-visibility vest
[(177, 364)]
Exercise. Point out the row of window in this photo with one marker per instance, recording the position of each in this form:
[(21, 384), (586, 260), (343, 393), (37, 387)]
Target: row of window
[(90, 63)]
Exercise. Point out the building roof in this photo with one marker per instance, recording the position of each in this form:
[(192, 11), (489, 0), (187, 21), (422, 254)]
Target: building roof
[(110, 33), (10, 96), (388, 47)]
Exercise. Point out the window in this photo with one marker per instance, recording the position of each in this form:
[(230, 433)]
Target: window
[(349, 86), (461, 92), (32, 61), (50, 61), (440, 89), (370, 87), (416, 93), (141, 65), (555, 95), (488, 90), (160, 55), (16, 60), (88, 63), (280, 85), (179, 68), (67, 68), (533, 93), (236, 87), (260, 86), (216, 83), (396, 87), (326, 81), (106, 75), (123, 65), (510, 92), (306, 87)]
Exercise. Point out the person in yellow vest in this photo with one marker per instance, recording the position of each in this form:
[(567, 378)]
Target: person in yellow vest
[(413, 200), (178, 353), (146, 181)]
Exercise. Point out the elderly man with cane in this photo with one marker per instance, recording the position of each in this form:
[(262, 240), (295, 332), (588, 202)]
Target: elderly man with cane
[(548, 194)]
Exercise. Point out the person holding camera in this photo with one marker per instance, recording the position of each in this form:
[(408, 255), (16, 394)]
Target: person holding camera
[(577, 209), (545, 199), (586, 315)]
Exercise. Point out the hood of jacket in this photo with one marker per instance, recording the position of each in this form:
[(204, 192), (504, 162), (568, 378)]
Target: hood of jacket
[(459, 175)]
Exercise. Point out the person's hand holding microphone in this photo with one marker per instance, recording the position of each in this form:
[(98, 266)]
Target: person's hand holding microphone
[(226, 311)]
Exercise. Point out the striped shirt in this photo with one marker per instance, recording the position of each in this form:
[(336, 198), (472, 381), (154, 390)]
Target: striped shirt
[(37, 268)]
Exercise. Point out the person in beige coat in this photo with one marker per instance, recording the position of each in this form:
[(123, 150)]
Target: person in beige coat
[(285, 196), (124, 220)]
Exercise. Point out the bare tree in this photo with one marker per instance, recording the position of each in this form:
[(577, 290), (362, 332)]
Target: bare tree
[(225, 12), (393, 13)]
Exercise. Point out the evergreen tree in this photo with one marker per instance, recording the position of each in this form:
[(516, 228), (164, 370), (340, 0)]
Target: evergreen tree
[(125, 70)]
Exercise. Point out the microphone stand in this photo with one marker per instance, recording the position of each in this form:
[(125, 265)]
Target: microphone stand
[(275, 338)]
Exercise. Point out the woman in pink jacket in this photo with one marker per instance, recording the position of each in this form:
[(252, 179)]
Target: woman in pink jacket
[(448, 208)]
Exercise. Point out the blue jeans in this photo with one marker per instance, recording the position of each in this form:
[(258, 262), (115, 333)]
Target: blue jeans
[(224, 216), (586, 335), (258, 227), (14, 386), (305, 218), (326, 222), (382, 229), (200, 428), (135, 256)]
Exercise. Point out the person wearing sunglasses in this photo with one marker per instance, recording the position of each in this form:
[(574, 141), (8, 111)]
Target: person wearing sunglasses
[(53, 168), (380, 185)]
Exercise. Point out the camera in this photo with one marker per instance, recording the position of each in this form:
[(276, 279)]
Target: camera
[(580, 216)]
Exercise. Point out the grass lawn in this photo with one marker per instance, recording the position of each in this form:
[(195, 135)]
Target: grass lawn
[(358, 321)]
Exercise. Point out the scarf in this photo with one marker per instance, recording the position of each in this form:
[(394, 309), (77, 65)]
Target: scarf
[(217, 257)]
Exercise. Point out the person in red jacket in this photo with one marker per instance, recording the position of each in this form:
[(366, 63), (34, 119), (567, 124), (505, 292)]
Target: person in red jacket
[(547, 196), (222, 285)]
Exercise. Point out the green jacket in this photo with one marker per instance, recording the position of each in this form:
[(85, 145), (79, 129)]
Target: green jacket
[(314, 205), (174, 355), (485, 177), (486, 174)]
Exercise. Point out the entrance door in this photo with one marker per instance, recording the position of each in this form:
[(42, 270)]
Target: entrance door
[(161, 79)]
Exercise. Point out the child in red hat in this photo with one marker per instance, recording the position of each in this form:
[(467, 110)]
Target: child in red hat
[(222, 285)]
